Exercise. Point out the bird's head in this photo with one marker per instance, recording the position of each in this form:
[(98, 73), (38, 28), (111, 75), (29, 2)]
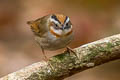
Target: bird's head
[(60, 25)]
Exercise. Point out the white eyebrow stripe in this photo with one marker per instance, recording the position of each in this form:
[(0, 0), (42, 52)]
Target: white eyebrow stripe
[(54, 20), (67, 20)]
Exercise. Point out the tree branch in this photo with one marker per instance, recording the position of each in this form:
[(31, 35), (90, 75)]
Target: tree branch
[(67, 64)]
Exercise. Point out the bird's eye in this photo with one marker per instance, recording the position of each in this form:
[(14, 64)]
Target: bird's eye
[(68, 25), (56, 26)]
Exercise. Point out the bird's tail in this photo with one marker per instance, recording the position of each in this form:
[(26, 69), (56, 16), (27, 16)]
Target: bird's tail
[(30, 22)]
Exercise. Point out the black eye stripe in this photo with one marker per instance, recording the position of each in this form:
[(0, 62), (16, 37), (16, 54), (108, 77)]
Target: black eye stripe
[(67, 27), (54, 17), (65, 19)]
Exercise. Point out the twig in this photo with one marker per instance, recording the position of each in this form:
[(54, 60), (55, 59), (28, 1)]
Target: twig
[(65, 65)]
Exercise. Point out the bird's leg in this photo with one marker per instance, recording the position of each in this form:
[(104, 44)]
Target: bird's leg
[(71, 51), (46, 59), (43, 51)]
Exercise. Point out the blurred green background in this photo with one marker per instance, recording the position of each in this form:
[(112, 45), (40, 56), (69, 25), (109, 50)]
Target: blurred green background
[(91, 19)]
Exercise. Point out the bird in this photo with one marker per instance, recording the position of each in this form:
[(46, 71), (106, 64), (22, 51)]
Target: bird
[(52, 32)]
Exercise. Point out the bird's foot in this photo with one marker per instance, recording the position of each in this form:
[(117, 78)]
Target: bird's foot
[(71, 51)]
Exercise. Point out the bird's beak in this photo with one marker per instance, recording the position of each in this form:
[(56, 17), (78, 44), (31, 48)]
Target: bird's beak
[(62, 28)]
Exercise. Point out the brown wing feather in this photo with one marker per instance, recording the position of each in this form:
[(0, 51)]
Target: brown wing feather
[(39, 25)]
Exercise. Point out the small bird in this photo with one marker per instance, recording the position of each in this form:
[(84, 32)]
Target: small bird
[(52, 32)]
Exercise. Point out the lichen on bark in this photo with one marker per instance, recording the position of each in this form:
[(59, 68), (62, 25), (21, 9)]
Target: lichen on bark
[(67, 64)]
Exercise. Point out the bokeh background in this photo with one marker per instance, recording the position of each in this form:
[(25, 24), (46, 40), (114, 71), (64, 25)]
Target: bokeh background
[(92, 20)]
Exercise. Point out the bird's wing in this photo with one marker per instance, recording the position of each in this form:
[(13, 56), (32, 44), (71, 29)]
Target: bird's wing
[(39, 26)]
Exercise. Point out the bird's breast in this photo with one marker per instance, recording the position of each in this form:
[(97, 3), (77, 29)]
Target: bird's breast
[(51, 42)]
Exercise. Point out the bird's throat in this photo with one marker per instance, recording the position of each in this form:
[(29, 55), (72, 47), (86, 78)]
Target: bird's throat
[(58, 35), (54, 33)]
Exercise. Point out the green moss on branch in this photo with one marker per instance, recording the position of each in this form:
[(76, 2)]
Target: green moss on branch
[(65, 65)]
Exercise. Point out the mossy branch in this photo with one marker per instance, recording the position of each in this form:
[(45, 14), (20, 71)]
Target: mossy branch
[(67, 64)]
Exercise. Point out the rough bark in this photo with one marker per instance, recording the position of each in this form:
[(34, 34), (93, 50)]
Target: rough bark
[(67, 64)]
